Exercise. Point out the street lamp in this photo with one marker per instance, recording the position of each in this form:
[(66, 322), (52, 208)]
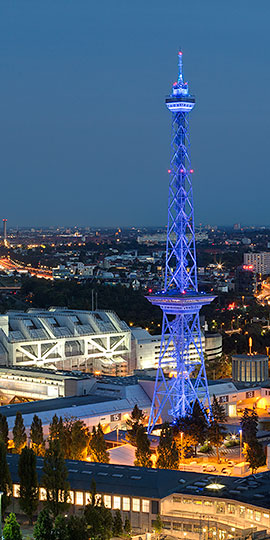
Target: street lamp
[(241, 437), (1, 532)]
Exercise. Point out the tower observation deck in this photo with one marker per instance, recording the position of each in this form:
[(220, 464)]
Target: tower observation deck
[(180, 300)]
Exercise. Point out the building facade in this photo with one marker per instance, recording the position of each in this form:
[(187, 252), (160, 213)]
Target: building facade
[(146, 348), (259, 261), (94, 341)]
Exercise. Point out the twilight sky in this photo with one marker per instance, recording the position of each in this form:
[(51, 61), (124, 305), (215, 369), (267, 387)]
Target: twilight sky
[(84, 132)]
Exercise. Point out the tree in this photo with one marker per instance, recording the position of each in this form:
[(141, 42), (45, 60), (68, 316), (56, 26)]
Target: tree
[(254, 455), (127, 527), (99, 521), (97, 446), (117, 527), (54, 479), (60, 530), (36, 435), (218, 411), (216, 434), (44, 526), (19, 435), (136, 419), (4, 429), (142, 453), (12, 530), (28, 483), (253, 450), (79, 440), (5, 478), (56, 429), (249, 425), (167, 453), (77, 528), (158, 526)]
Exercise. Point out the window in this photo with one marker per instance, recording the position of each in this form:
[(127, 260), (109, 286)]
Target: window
[(231, 509), (249, 513), (16, 490), (196, 501), (266, 516), (257, 516), (71, 497), (208, 503), (145, 505), (187, 501), (79, 498), (42, 494), (136, 505), (220, 508), (126, 504), (177, 526), (242, 511), (187, 527), (107, 501), (117, 503)]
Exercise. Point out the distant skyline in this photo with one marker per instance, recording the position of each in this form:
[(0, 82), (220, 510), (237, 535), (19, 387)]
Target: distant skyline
[(84, 131)]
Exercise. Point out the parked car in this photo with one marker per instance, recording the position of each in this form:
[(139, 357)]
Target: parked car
[(209, 468)]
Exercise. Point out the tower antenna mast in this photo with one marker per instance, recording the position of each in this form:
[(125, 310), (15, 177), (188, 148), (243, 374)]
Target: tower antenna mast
[(181, 351)]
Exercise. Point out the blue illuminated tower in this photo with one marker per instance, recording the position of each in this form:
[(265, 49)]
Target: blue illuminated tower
[(180, 300)]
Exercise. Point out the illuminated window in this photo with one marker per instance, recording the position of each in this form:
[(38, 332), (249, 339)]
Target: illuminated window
[(42, 494), (126, 504), (136, 505), (220, 508), (71, 497), (242, 511), (145, 506), (196, 501), (79, 498), (249, 513), (16, 490), (231, 509), (266, 516), (107, 501), (208, 503), (117, 503), (187, 501), (257, 516)]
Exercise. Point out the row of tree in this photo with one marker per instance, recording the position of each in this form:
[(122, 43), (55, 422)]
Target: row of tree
[(181, 440), (75, 438)]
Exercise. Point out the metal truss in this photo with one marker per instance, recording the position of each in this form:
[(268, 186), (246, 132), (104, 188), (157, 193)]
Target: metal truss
[(180, 270), (181, 379)]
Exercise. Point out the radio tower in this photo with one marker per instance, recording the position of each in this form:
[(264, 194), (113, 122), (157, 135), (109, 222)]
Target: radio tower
[(180, 300)]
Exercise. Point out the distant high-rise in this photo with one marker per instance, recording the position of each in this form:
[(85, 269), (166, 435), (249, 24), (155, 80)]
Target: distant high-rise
[(5, 232), (180, 300)]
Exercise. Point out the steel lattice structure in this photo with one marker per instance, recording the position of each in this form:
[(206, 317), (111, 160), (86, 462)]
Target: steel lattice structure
[(180, 300)]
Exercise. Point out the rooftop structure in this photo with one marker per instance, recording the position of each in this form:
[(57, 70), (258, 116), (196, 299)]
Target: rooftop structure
[(59, 338), (180, 300), (201, 505)]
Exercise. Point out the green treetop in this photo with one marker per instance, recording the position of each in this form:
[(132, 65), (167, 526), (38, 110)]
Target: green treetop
[(28, 500), (167, 453), (136, 419), (5, 478), (142, 452), (36, 435), (19, 434), (97, 446), (54, 479), (12, 530)]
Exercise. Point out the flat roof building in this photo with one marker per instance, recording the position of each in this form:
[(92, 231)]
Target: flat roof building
[(60, 338)]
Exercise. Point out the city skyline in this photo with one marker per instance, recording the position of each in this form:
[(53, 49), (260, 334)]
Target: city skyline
[(84, 132)]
